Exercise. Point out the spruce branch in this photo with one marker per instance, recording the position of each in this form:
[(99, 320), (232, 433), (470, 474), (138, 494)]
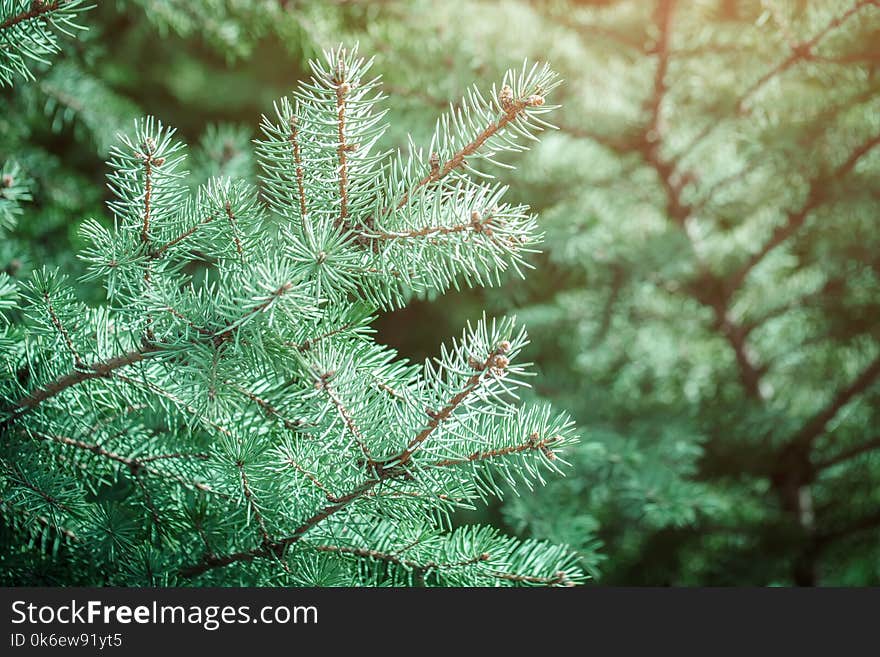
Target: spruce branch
[(105, 369), (36, 10), (22, 479), (252, 502), (230, 216), (477, 224), (421, 568), (815, 426), (29, 33), (78, 362), (14, 190), (163, 249), (288, 460), (276, 549), (559, 579), (268, 408), (191, 411), (802, 51), (848, 454), (710, 290), (134, 465), (816, 197), (43, 521), (242, 405), (493, 365), (663, 13), (323, 383), (146, 154), (100, 369), (532, 443), (190, 323), (511, 110)]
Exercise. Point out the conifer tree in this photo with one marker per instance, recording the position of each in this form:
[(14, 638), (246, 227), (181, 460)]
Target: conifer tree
[(689, 133), (225, 417), (30, 31), (67, 92), (708, 305)]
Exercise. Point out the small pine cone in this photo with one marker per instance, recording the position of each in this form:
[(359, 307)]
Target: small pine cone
[(505, 97), (500, 362), (477, 221), (503, 347), (344, 88), (435, 164), (535, 100), (475, 364), (8, 180), (159, 161)]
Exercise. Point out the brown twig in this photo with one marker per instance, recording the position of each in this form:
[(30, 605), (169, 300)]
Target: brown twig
[(312, 478), (559, 579), (230, 216), (37, 10), (297, 160), (478, 224), (268, 408), (801, 52), (226, 333), (277, 548), (533, 443), (817, 196), (511, 112), (814, 428), (323, 383), (310, 342), (492, 362), (848, 454), (396, 560), (78, 362), (186, 320), (252, 502), (99, 370), (158, 253), (134, 465), (342, 148)]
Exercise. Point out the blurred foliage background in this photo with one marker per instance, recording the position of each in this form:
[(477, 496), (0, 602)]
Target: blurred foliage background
[(707, 304)]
